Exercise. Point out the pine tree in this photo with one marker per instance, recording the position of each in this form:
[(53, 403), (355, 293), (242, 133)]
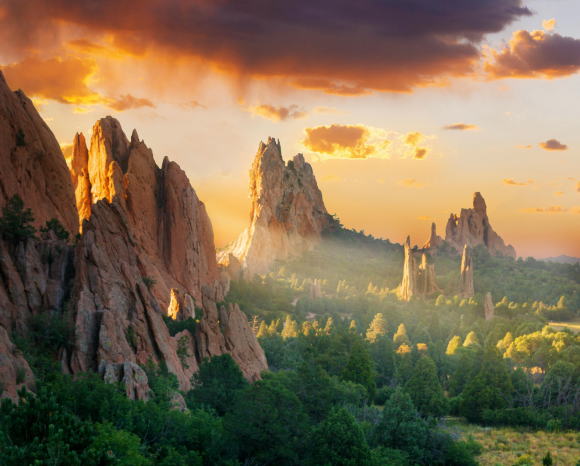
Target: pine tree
[(263, 330), (306, 328), (471, 339), (505, 342), (400, 336), (352, 326), (290, 329), (453, 344), (273, 328), (425, 389), (329, 326), (359, 368), (16, 221), (377, 328)]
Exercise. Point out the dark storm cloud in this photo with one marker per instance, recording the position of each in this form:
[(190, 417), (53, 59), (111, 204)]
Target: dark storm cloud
[(339, 46)]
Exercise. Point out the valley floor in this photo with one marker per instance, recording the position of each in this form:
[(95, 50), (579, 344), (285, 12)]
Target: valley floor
[(504, 446)]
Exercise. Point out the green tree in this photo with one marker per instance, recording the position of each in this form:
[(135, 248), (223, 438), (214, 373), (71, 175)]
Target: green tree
[(425, 389), (377, 328), (491, 388), (268, 422), (16, 221), (400, 337), (339, 441), (359, 368), (453, 344), (218, 383), (401, 427), (471, 339), (55, 226), (290, 329)]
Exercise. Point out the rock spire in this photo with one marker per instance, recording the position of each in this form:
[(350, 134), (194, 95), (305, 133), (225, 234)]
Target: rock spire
[(287, 215), (467, 289)]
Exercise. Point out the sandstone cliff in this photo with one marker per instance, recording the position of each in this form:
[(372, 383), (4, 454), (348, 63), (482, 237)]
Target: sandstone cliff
[(434, 239), (488, 306), (31, 162), (287, 213), (472, 227), (146, 250)]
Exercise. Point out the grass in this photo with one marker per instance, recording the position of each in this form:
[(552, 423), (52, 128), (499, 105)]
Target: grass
[(573, 326), (506, 446)]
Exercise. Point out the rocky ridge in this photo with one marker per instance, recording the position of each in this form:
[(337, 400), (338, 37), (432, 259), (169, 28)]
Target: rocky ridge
[(146, 250), (287, 215)]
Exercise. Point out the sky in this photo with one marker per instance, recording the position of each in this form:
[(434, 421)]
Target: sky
[(403, 107)]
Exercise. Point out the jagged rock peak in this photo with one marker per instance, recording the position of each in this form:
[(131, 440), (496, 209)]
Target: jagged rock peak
[(287, 214), (467, 288), (472, 227), (434, 239), (32, 165), (407, 288)]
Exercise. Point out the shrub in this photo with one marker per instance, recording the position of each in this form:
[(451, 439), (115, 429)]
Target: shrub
[(16, 221), (20, 138), (149, 282), (54, 225)]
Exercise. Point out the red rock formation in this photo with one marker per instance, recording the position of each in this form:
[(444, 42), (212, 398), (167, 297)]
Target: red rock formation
[(434, 240), (146, 244), (287, 214), (31, 162), (426, 281), (472, 227), (467, 288)]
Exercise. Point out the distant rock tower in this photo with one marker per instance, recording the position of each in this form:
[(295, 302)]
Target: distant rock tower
[(467, 289), (408, 285), (426, 283), (434, 240), (488, 306)]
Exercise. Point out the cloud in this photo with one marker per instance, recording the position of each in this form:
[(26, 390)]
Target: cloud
[(60, 79), (127, 102), (578, 187), (363, 142), (411, 183), (391, 45), (191, 104), (553, 144), (512, 182), (549, 24), (536, 54), (273, 113), (555, 209), (524, 146), (64, 80), (460, 127)]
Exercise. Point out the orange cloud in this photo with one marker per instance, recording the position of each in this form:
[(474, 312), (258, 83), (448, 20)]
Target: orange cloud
[(460, 127), (524, 146), (362, 142), (127, 102), (66, 80), (273, 113), (60, 79), (536, 54), (553, 144), (349, 141), (411, 183), (512, 182), (578, 187), (549, 24), (192, 104)]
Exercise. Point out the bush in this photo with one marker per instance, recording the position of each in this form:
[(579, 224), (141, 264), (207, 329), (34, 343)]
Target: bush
[(16, 221), (176, 326), (54, 225)]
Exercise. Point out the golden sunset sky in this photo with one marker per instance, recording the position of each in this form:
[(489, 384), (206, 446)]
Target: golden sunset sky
[(404, 108)]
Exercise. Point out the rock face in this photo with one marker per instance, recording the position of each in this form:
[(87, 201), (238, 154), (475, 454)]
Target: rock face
[(31, 162), (287, 214), (146, 250), (488, 306), (418, 279), (408, 285), (434, 239), (426, 282), (472, 227), (466, 284)]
